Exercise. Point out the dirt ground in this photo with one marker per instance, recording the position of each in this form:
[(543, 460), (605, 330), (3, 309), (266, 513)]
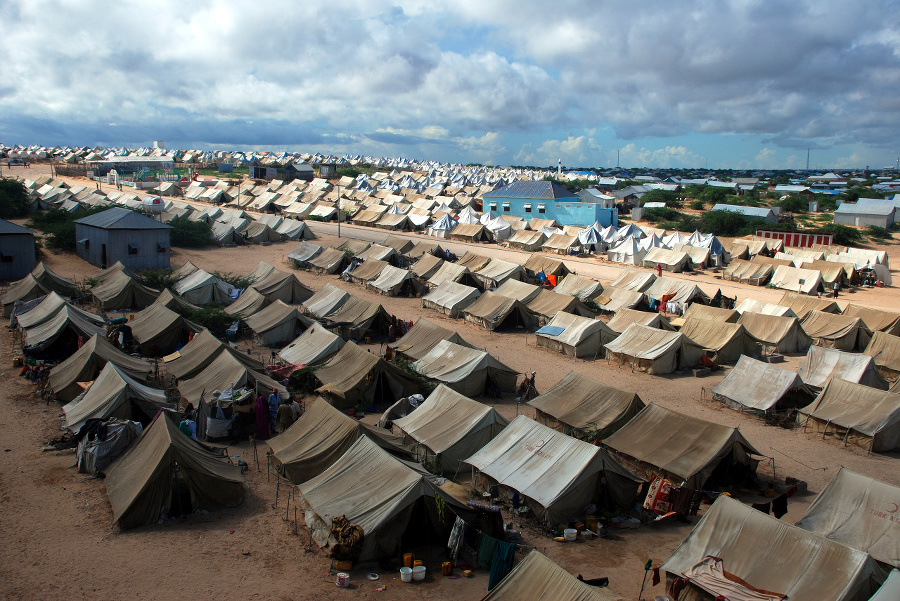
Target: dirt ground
[(57, 524)]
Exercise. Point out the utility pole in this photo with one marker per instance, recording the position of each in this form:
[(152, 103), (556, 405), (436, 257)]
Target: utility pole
[(339, 208), (807, 159), (617, 159)]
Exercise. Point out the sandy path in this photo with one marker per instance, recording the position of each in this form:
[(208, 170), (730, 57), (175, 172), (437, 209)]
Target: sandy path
[(57, 523)]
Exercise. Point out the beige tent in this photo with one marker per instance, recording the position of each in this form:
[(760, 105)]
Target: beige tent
[(249, 302), (88, 361), (757, 306), (757, 385), (526, 240), (497, 271), (634, 279), (452, 273), (536, 577), (222, 373), (680, 447), (319, 438), (359, 317), (144, 483), (202, 350), (761, 553), (114, 394), (560, 244), (41, 281), (158, 331), (802, 304), (279, 285), (855, 510), (680, 292), (865, 416), (575, 336), (53, 328), (394, 281), (576, 285), (556, 475), (748, 272), (355, 376), (537, 263), (470, 232), (494, 311), (122, 291), (450, 298), (277, 324), (312, 347), (202, 288), (426, 266), (174, 302), (517, 290), (304, 253), (472, 261), (822, 364), (726, 341), (423, 337), (586, 408), (698, 257), (653, 351), (876, 320), (670, 260), (327, 300), (625, 317), (614, 300), (804, 281), (329, 260), (448, 427), (781, 334), (469, 371), (548, 303), (841, 332), (885, 350), (365, 272), (702, 311)]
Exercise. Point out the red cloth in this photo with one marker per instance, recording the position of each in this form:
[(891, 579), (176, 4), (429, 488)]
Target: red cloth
[(552, 279), (655, 576)]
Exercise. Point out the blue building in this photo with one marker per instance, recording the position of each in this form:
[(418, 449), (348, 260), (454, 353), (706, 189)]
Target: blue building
[(547, 200)]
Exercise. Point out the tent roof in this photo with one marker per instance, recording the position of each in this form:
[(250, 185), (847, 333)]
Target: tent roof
[(150, 325), (728, 340), (615, 299), (390, 279), (305, 251), (349, 373), (770, 554), (492, 307), (634, 279), (686, 447), (643, 342), (458, 365), (451, 295), (138, 482), (368, 271), (446, 418), (757, 385), (576, 285), (427, 266), (538, 262), (250, 302), (851, 510), (328, 260), (801, 304), (821, 364), (775, 330), (683, 292), (706, 312), (225, 372), (536, 577), (326, 301), (625, 317), (109, 391), (448, 272), (276, 314), (885, 349), (868, 411), (548, 303), (498, 271), (200, 352), (518, 290), (763, 308), (876, 319), (87, 362), (52, 321), (423, 337), (576, 329), (473, 261), (584, 403), (312, 347), (833, 327), (174, 302), (282, 286)]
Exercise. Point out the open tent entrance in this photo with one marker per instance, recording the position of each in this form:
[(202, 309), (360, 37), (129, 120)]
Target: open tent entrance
[(382, 395)]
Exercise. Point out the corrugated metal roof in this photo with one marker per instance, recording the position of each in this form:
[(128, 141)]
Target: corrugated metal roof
[(118, 218), (536, 190), (7, 227), (760, 212), (865, 208)]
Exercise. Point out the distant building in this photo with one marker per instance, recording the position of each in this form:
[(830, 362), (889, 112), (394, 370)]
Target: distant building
[(16, 251), (119, 234), (131, 165), (287, 172), (607, 201), (867, 211), (547, 200), (763, 213)]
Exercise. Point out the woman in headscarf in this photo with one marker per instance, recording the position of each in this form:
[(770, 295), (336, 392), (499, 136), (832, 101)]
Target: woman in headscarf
[(262, 418)]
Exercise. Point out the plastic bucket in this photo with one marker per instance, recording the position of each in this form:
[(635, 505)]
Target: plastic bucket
[(418, 573), (406, 574), (408, 560), (570, 534), (591, 523), (417, 563), (343, 580)]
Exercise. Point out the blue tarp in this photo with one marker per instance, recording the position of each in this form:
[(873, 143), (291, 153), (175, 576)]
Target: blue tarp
[(551, 331)]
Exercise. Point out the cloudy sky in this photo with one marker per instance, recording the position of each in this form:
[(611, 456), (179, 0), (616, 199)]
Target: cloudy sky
[(741, 84)]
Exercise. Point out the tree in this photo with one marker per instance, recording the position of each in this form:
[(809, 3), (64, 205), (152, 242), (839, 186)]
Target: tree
[(190, 234), (795, 203), (668, 197), (13, 199), (723, 223)]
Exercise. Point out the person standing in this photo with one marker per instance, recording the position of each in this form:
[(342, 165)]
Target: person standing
[(274, 402), (262, 418), (659, 270), (285, 415), (836, 287)]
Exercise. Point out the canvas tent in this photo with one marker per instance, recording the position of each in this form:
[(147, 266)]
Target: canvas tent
[(536, 577), (497, 271), (304, 253), (355, 376), (494, 311), (841, 332), (449, 427), (466, 370), (781, 334), (625, 317), (158, 331), (653, 351), (224, 372), (757, 306), (856, 413), (40, 282), (548, 303), (197, 354), (760, 386), (362, 273), (627, 251), (759, 551), (393, 281), (725, 341), (473, 261), (450, 298), (329, 260), (851, 510), (527, 240), (517, 290), (680, 447), (669, 260), (277, 324), (88, 361), (319, 438), (556, 475), (876, 320), (748, 272), (202, 288), (452, 272), (822, 364), (885, 350), (677, 291), (585, 408), (634, 279), (802, 304), (327, 300), (53, 327), (248, 303), (426, 266), (174, 302), (359, 317), (537, 263), (423, 337), (715, 313), (312, 347), (575, 336), (121, 290), (576, 285), (114, 394), (143, 484), (282, 286), (614, 300)]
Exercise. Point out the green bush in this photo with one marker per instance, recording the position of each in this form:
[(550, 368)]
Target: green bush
[(59, 226), (238, 281), (668, 197), (698, 205), (212, 317), (794, 203), (878, 233), (843, 235), (725, 223), (190, 234), (159, 279), (13, 199), (661, 214)]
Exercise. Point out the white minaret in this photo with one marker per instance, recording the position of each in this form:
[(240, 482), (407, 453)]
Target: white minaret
[(559, 168)]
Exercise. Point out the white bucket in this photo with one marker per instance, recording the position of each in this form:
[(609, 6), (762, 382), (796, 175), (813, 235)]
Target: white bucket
[(418, 573), (571, 534), (343, 580), (406, 574)]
